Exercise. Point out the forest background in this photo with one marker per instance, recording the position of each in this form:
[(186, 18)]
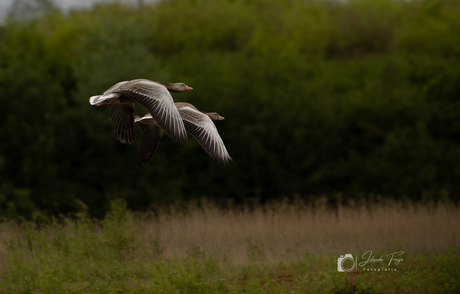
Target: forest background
[(345, 99)]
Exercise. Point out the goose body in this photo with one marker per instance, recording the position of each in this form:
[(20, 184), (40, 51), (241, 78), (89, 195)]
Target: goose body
[(154, 96), (199, 124)]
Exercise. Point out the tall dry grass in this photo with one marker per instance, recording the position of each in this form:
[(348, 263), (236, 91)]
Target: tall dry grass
[(285, 231), (277, 248), (271, 233)]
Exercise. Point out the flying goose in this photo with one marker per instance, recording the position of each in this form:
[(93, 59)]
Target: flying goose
[(154, 96), (197, 123)]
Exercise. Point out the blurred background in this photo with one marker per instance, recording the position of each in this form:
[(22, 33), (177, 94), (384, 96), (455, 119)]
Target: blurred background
[(347, 100)]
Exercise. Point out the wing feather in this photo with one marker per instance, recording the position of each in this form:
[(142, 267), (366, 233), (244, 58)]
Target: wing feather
[(205, 132), (160, 104), (123, 121), (151, 137)]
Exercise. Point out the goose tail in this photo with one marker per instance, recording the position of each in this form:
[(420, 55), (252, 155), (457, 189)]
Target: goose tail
[(99, 100)]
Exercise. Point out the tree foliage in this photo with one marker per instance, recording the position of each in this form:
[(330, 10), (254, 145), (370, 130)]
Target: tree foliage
[(320, 98)]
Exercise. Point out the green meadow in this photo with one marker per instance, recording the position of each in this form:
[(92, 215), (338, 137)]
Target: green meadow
[(278, 248)]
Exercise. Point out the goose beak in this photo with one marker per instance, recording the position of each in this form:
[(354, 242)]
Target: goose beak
[(221, 117), (187, 88)]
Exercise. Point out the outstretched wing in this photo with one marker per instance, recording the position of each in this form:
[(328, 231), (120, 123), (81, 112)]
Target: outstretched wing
[(160, 104), (123, 121), (205, 132), (151, 137)]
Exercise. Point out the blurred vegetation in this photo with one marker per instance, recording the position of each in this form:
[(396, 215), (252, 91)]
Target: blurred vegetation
[(351, 98)]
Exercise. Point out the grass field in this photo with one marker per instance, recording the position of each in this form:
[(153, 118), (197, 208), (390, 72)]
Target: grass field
[(277, 248)]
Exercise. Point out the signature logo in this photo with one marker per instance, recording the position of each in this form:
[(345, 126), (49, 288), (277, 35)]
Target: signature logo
[(348, 262)]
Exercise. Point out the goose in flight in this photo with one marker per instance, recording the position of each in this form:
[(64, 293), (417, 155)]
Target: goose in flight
[(154, 96), (197, 123)]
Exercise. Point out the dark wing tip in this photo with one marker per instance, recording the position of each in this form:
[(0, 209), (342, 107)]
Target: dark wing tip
[(225, 160), (180, 138), (184, 139)]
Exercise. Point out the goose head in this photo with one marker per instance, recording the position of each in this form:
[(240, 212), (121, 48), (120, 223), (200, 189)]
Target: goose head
[(215, 116), (177, 87)]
